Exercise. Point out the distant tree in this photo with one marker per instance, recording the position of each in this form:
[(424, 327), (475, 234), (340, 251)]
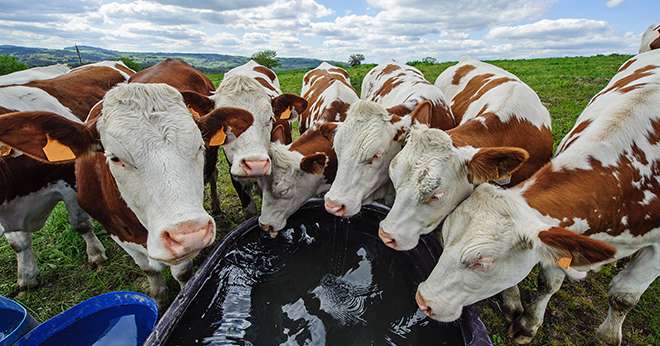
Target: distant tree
[(426, 61), (9, 64), (267, 58), (355, 59), (130, 63)]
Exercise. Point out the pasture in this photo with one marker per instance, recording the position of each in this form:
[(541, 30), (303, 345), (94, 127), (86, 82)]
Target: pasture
[(564, 85)]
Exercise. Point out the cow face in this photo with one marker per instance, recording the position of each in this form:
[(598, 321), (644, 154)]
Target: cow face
[(491, 242), (295, 179), (365, 144), (155, 152), (249, 153), (432, 176)]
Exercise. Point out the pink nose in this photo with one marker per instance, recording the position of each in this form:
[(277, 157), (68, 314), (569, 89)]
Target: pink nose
[(422, 304), (387, 238), (188, 237), (335, 208), (256, 168), (268, 229)]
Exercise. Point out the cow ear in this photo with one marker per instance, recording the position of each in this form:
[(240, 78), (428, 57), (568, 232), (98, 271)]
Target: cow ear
[(46, 136), (314, 163), (568, 248), (495, 164), (422, 113), (278, 134), (288, 106), (197, 103), (223, 125)]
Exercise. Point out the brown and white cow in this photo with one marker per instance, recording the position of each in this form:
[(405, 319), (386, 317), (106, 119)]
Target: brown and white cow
[(29, 189), (35, 73), (257, 89), (504, 136), (596, 201), (650, 39), (394, 97), (308, 166), (139, 165)]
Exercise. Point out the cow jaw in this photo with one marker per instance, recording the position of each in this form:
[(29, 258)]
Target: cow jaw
[(365, 144), (156, 155)]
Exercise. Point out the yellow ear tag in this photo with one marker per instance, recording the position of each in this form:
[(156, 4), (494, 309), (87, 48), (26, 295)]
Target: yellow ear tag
[(564, 262), (219, 138), (4, 150), (193, 112), (56, 151), (286, 114)]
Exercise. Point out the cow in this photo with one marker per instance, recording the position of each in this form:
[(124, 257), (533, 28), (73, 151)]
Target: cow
[(394, 97), (139, 166), (256, 88), (503, 129), (30, 189), (650, 39), (308, 166), (35, 73), (595, 202)]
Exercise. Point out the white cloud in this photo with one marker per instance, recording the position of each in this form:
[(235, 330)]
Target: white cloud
[(614, 3)]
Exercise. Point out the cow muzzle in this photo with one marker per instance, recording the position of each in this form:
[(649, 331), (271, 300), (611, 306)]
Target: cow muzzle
[(257, 167), (187, 238)]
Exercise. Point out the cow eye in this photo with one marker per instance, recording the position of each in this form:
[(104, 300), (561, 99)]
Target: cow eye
[(116, 161)]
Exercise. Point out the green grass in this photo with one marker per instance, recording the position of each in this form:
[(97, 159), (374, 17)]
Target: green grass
[(565, 85)]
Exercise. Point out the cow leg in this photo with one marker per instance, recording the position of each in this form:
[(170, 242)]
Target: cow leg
[(82, 222), (511, 303), (157, 284), (211, 178), (21, 242), (625, 290), (524, 328), (182, 272)]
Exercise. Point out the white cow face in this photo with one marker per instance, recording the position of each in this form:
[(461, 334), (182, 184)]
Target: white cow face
[(295, 179), (491, 242), (249, 153), (432, 176), (155, 153), (365, 144)]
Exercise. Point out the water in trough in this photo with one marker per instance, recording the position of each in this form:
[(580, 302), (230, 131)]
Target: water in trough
[(322, 281)]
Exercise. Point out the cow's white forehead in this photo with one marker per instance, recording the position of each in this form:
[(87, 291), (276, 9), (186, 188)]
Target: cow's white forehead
[(284, 159), (363, 129), (244, 92), (146, 115)]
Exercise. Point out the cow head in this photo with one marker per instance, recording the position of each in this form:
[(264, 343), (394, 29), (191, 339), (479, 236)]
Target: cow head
[(491, 242), (432, 176), (155, 152), (249, 153), (296, 177), (365, 144)]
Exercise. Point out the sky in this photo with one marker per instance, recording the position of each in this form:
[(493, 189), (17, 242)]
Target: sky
[(382, 30)]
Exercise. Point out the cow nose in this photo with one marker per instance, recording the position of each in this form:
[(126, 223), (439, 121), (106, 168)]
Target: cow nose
[(387, 238), (256, 168), (335, 208), (422, 304), (268, 229), (188, 237)]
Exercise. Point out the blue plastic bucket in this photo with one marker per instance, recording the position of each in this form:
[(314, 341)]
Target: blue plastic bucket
[(116, 318), (15, 321)]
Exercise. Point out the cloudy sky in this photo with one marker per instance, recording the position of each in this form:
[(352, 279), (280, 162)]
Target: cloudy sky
[(380, 29)]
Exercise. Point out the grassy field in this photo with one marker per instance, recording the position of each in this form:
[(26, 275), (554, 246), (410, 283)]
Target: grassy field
[(565, 85)]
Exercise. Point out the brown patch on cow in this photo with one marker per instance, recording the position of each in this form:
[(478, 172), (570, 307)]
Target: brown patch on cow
[(266, 71), (198, 104), (655, 44), (577, 248), (490, 131), (398, 110), (490, 164), (602, 196), (283, 106), (335, 112), (476, 87), (281, 132), (81, 89), (319, 139), (4, 110), (177, 74), (388, 69), (266, 84), (99, 196), (22, 175), (626, 64), (319, 81), (654, 135), (623, 85), (124, 69), (461, 72), (388, 86), (340, 71), (574, 135), (314, 163)]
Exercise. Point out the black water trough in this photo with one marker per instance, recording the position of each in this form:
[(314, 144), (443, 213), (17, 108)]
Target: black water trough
[(323, 280)]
